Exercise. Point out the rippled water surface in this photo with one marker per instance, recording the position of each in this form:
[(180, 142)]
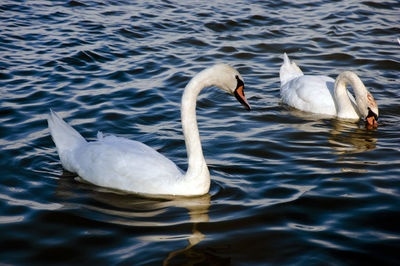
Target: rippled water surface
[(287, 187)]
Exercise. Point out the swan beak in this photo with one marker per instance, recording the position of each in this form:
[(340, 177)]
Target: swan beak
[(371, 122), (372, 119), (239, 94)]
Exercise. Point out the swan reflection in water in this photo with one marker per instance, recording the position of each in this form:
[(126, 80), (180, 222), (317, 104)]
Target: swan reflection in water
[(345, 137), (156, 213), (350, 138)]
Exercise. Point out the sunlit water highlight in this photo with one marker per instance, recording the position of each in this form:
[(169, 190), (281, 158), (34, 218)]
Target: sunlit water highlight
[(287, 187)]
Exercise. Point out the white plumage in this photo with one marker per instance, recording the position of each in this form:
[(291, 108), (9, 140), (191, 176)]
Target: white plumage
[(324, 95), (129, 165)]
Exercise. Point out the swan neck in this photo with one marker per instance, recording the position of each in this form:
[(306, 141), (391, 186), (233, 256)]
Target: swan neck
[(345, 108), (197, 167)]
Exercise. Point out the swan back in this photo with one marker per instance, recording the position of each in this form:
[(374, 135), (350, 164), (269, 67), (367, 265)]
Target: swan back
[(289, 70)]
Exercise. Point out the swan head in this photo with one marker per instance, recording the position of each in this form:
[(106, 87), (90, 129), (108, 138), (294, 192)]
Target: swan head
[(230, 80), (367, 107), (371, 117)]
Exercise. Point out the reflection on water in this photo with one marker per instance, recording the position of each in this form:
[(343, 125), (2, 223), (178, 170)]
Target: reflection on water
[(310, 122), (345, 137), (193, 239), (288, 188), (136, 210), (349, 138)]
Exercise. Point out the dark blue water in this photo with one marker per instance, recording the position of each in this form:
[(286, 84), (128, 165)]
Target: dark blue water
[(288, 188)]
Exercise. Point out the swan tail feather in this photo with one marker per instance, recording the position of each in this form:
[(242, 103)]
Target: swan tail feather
[(289, 70), (286, 60), (66, 139)]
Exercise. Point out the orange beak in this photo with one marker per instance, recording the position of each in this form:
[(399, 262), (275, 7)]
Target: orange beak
[(239, 94), (371, 122)]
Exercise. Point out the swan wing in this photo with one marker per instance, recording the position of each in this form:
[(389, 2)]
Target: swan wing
[(125, 164), (310, 94)]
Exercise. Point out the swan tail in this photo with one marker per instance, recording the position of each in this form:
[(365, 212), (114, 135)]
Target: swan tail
[(289, 70), (66, 139), (286, 60)]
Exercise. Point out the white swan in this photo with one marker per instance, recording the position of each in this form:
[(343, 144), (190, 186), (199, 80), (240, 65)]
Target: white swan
[(323, 95), (129, 165)]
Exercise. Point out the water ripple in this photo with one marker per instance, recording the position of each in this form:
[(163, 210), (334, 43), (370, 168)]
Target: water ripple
[(287, 187)]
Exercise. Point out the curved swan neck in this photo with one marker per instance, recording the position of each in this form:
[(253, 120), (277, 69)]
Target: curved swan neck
[(345, 108), (197, 167)]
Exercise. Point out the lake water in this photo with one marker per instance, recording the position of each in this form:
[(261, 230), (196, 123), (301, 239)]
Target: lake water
[(288, 188)]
